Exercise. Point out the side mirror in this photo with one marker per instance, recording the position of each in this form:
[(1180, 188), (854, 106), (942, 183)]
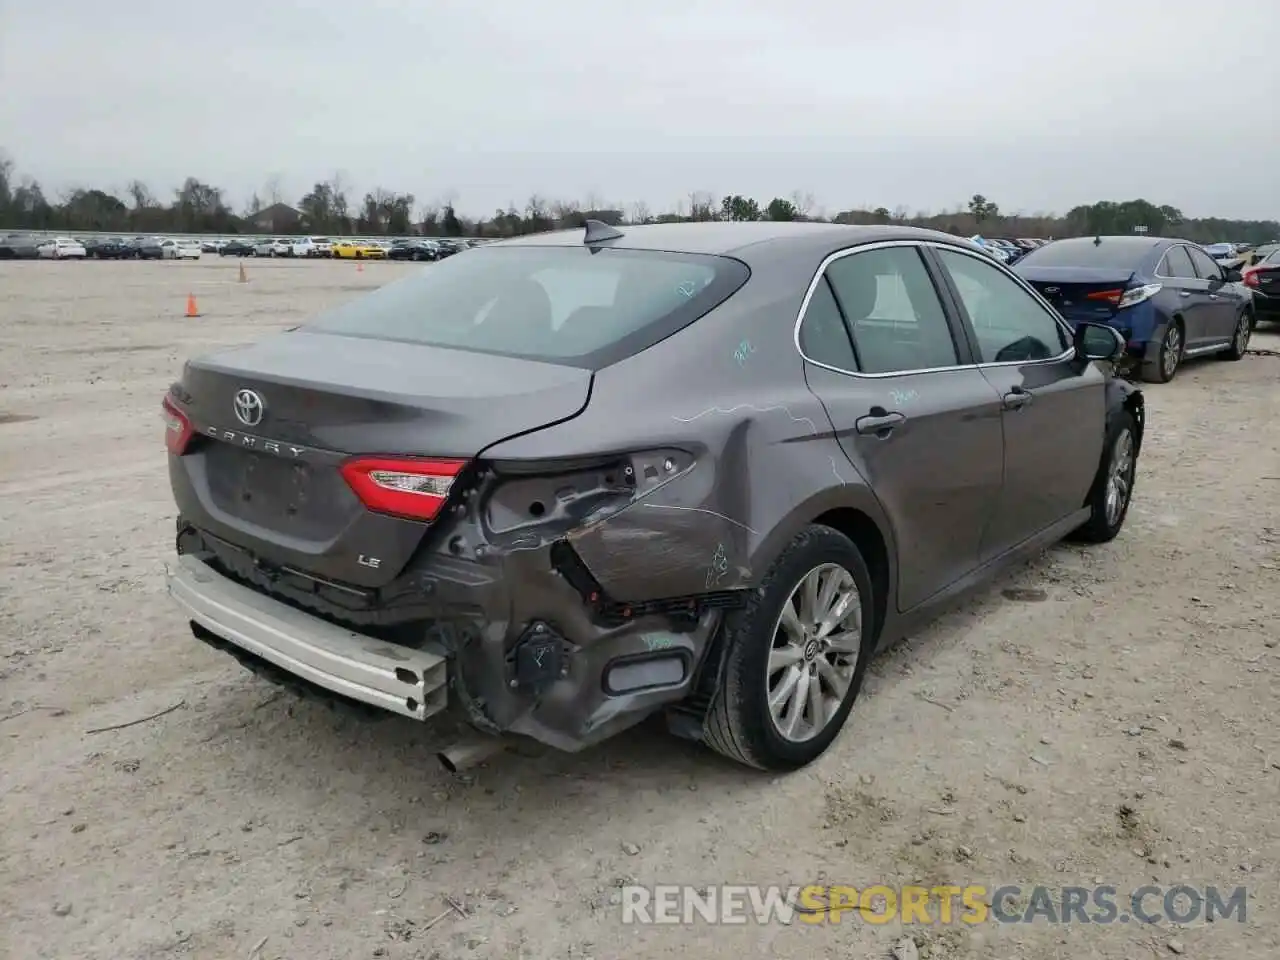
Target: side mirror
[(1233, 275), (1097, 341)]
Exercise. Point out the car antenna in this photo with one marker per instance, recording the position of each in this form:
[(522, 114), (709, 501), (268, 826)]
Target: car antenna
[(598, 230), (1097, 241)]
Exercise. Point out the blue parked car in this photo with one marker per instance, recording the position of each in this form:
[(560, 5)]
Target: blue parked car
[(1168, 298)]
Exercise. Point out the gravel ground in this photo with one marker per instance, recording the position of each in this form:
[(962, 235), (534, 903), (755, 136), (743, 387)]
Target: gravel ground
[(1101, 715)]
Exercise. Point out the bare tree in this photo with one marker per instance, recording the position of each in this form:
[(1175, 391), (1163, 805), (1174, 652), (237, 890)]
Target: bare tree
[(702, 205), (803, 203), (338, 204), (593, 201), (640, 212), (272, 190)]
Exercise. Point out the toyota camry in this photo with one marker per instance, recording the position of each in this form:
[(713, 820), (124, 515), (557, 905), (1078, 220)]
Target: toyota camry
[(572, 480)]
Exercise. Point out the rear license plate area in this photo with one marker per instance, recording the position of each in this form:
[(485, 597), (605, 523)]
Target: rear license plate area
[(270, 491)]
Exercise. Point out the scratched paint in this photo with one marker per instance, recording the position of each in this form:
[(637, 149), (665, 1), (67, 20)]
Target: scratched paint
[(903, 396), (744, 350), (813, 427), (660, 641), (835, 469), (718, 567)]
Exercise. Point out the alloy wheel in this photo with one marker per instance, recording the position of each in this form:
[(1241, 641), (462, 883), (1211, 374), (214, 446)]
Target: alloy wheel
[(1119, 477), (1243, 329), (1171, 352), (817, 640)]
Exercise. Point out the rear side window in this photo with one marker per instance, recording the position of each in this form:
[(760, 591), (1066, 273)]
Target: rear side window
[(1122, 253), (1176, 263), (569, 305), (893, 310), (823, 335)]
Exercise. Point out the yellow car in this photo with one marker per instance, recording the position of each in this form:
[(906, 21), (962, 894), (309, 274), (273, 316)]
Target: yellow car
[(358, 250)]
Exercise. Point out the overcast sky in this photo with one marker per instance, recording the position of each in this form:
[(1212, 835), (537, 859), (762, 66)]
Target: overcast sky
[(1038, 104)]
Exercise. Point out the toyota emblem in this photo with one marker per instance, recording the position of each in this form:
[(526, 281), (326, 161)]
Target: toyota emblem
[(249, 408)]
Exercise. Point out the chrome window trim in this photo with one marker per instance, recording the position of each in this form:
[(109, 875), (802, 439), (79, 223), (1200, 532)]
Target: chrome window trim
[(1222, 273), (936, 245), (1164, 276)]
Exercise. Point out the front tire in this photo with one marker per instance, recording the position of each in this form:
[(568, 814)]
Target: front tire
[(796, 657), (1112, 490)]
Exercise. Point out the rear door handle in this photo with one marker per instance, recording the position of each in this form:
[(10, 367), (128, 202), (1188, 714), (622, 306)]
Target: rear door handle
[(1017, 398), (1213, 296), (879, 422), (1184, 293)]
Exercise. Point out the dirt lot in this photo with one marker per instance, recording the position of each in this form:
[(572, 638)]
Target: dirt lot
[(1118, 728)]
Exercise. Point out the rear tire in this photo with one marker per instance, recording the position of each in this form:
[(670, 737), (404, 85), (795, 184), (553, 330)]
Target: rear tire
[(1240, 339), (772, 639), (1173, 348), (1112, 490)]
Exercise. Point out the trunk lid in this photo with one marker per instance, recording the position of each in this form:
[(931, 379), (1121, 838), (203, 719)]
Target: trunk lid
[(269, 482), (1076, 292)]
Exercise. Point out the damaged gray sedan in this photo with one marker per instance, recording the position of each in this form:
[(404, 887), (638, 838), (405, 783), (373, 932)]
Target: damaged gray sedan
[(572, 480)]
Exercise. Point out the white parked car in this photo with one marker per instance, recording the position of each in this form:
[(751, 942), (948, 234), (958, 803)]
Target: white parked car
[(302, 247), (989, 248), (263, 248), (186, 249), (61, 248), (281, 247), (322, 246)]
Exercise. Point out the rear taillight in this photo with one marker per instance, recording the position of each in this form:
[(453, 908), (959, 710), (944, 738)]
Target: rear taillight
[(1122, 298), (1250, 279), (404, 487), (177, 428)]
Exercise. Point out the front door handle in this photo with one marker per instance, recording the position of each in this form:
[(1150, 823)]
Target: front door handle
[(1017, 398), (1213, 296), (1184, 293), (879, 422)]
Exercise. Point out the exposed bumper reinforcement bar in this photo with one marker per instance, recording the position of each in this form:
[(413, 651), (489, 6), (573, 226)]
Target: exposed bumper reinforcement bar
[(395, 678)]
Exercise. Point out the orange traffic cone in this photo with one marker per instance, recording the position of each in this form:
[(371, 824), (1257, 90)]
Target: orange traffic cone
[(243, 278), (191, 306), (359, 267)]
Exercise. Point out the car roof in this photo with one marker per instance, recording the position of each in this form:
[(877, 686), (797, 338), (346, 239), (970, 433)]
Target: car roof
[(729, 237)]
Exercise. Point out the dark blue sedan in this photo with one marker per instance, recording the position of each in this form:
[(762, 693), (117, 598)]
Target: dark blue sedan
[(1167, 297)]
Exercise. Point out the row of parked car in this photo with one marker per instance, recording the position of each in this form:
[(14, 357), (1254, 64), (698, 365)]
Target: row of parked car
[(1009, 250), (27, 247), (347, 248)]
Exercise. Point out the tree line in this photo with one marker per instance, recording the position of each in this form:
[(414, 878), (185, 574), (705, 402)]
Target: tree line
[(332, 207)]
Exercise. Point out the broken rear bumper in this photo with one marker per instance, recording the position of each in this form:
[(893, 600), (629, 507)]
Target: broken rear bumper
[(389, 676), (561, 680)]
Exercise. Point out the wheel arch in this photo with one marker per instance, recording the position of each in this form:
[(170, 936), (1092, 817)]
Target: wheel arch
[(1124, 397), (854, 512)]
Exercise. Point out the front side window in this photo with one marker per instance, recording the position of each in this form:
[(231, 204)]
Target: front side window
[(1010, 323), (893, 311), (1204, 264)]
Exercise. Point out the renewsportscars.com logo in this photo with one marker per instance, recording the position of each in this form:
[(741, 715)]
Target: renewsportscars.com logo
[(971, 904)]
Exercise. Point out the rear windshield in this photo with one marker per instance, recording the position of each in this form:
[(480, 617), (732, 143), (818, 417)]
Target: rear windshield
[(1120, 252), (568, 305)]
